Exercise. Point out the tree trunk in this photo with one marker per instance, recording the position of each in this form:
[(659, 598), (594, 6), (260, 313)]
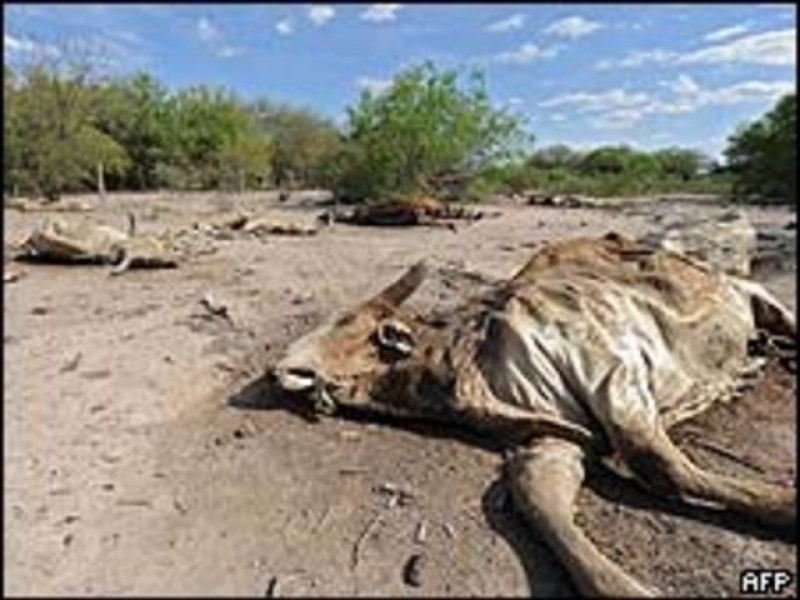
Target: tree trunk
[(101, 181)]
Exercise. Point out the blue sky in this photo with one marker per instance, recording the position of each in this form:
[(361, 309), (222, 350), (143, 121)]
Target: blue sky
[(647, 75)]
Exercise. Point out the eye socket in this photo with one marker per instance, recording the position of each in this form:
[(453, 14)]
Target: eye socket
[(396, 337)]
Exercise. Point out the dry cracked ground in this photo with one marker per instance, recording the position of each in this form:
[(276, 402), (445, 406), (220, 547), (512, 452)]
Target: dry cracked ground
[(142, 455)]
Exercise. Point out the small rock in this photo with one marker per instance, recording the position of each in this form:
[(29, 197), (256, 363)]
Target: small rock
[(303, 298), (413, 570), (238, 434), (68, 539), (108, 487), (40, 310), (12, 276)]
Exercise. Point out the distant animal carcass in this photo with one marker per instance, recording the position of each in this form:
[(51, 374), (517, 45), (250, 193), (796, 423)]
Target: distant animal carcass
[(82, 242), (406, 213)]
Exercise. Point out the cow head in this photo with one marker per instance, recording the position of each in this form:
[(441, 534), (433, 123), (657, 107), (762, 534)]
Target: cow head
[(340, 362)]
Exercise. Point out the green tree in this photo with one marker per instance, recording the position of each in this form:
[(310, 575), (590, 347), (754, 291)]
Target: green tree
[(304, 144), (423, 133), (133, 111), (214, 141), (762, 156), (56, 145), (553, 157), (11, 132), (682, 163)]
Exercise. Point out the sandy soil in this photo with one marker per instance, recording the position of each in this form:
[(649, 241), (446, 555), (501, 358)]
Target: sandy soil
[(142, 456)]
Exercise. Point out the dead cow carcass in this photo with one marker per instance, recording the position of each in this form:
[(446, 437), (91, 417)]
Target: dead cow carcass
[(272, 223), (406, 213), (60, 241), (596, 347)]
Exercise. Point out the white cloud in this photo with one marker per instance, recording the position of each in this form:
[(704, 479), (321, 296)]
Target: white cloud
[(726, 32), (320, 14), (285, 27), (573, 27), (620, 109), (206, 30), (683, 85), (514, 101), (515, 21), (381, 12), (691, 96), (596, 102), (21, 46), (638, 58), (527, 53), (618, 119), (558, 117), (769, 48), (376, 86), (14, 45), (230, 51), (773, 48)]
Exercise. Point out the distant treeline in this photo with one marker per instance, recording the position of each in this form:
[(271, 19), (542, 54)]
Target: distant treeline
[(67, 130)]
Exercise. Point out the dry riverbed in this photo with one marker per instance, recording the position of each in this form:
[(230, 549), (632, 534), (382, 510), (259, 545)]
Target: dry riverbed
[(141, 457)]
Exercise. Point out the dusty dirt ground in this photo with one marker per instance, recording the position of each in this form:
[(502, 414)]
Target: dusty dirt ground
[(144, 456)]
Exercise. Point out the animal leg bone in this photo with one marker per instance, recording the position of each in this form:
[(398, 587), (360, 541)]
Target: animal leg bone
[(545, 479), (768, 312), (659, 464)]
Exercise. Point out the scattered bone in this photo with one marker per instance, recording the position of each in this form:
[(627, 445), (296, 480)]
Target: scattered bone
[(395, 494), (421, 534), (448, 529), (71, 364), (354, 557), (216, 308)]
